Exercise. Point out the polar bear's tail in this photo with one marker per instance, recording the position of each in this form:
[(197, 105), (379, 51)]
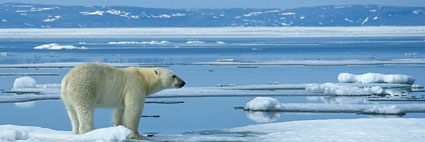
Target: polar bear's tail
[(63, 88)]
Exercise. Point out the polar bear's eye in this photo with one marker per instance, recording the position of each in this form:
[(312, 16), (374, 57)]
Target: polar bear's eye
[(174, 76)]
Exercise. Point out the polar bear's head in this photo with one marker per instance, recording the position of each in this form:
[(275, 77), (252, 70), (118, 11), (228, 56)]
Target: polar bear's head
[(168, 78)]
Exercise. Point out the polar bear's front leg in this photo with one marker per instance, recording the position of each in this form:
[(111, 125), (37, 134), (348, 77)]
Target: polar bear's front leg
[(132, 112), (118, 116)]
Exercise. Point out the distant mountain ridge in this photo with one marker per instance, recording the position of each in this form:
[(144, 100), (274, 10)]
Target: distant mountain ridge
[(15, 15)]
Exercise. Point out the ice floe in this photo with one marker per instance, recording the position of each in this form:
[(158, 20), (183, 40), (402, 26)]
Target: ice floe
[(55, 46), (339, 130), (376, 78), (271, 104), (343, 89), (31, 134)]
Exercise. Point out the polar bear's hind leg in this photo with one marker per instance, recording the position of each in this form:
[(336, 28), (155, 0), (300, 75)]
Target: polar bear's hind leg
[(118, 116)]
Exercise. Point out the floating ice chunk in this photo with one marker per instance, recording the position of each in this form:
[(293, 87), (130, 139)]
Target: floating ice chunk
[(24, 82), (389, 110), (263, 103), (220, 42), (227, 60), (376, 78), (287, 13), (97, 12), (55, 46), (339, 89), (195, 42), (136, 42), (262, 117)]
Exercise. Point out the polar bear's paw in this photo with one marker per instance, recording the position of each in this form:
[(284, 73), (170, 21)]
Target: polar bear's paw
[(137, 137)]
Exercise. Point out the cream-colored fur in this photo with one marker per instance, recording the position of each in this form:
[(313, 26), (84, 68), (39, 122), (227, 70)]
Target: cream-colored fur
[(92, 85)]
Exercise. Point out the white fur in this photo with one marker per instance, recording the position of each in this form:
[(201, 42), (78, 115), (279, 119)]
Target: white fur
[(93, 85)]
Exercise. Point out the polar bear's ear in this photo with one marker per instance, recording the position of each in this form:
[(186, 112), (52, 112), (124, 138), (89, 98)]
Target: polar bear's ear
[(156, 72)]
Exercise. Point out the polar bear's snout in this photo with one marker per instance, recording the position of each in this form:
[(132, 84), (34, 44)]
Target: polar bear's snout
[(181, 84)]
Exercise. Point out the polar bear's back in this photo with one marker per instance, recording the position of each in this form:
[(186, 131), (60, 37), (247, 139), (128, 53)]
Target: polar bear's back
[(100, 83)]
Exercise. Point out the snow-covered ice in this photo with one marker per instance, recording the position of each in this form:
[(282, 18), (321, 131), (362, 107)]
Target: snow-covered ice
[(38, 134), (337, 130), (376, 78), (389, 109), (344, 89), (55, 46), (263, 103), (270, 104)]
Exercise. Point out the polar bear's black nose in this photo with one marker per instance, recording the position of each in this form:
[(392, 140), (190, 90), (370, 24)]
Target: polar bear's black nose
[(182, 84)]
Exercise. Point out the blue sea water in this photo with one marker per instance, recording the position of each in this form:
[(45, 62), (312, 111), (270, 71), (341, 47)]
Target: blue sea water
[(215, 113)]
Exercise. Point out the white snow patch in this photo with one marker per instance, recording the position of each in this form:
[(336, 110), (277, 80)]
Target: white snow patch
[(372, 10), (31, 133), (3, 20), (302, 17), (97, 12), (55, 46), (376, 78), (3, 54), (24, 82), (263, 103)]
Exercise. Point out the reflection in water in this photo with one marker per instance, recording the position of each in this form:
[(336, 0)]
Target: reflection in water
[(337, 99), (25, 104), (262, 117)]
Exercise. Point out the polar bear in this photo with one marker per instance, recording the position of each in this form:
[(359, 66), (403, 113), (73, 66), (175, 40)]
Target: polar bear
[(91, 85)]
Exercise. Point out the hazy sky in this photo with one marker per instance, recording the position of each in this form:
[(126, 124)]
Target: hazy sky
[(224, 3)]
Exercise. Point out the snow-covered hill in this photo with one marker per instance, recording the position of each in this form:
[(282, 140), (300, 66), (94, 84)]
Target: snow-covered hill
[(13, 15)]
